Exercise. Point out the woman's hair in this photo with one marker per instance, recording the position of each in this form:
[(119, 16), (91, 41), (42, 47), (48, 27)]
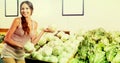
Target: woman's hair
[(24, 23)]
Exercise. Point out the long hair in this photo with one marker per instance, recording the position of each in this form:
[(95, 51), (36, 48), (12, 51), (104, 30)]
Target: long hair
[(24, 23)]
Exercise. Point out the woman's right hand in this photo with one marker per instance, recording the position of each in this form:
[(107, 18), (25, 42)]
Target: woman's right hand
[(19, 46)]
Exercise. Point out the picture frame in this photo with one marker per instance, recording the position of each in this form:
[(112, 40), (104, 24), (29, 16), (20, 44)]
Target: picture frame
[(72, 7), (11, 8)]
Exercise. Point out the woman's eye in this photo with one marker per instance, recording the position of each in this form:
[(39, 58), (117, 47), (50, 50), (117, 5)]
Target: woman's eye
[(22, 8)]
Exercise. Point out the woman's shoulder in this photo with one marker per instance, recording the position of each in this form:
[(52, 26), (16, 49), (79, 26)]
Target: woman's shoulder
[(18, 19)]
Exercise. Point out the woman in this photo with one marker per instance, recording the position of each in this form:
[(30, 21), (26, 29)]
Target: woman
[(22, 29)]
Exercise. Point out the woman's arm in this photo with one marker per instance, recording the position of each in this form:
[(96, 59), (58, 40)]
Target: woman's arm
[(36, 37), (12, 29)]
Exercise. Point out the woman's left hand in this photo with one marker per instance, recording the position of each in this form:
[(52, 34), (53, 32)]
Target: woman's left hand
[(48, 30)]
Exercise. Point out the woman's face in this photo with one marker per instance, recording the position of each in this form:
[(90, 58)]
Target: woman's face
[(25, 10)]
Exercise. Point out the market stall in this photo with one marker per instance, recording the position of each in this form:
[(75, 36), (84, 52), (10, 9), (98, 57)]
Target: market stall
[(92, 46)]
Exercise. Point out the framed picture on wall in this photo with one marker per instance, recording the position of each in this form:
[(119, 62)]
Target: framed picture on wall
[(72, 7), (11, 8)]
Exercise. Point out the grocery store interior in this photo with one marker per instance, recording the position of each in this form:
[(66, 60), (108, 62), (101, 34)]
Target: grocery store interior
[(102, 16)]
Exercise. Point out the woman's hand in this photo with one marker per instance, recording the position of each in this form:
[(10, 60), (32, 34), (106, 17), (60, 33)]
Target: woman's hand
[(48, 30), (19, 46)]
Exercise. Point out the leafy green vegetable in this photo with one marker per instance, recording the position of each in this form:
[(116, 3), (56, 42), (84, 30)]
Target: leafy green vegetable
[(74, 60), (99, 46), (29, 47), (116, 59), (57, 50)]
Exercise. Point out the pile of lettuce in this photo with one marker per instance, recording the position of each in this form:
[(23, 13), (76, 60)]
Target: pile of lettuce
[(98, 46), (54, 48)]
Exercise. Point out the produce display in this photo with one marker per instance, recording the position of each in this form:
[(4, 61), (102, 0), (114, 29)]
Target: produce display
[(55, 48), (92, 46), (99, 46)]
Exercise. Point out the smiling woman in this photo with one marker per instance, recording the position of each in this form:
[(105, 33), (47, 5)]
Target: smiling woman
[(26, 9), (22, 30)]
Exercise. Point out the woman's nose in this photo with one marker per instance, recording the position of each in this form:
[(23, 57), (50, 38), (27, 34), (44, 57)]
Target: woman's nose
[(24, 10)]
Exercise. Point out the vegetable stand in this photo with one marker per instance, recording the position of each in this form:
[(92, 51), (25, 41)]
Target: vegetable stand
[(58, 48), (92, 46), (99, 46)]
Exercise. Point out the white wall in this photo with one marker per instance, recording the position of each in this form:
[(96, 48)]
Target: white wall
[(98, 13)]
